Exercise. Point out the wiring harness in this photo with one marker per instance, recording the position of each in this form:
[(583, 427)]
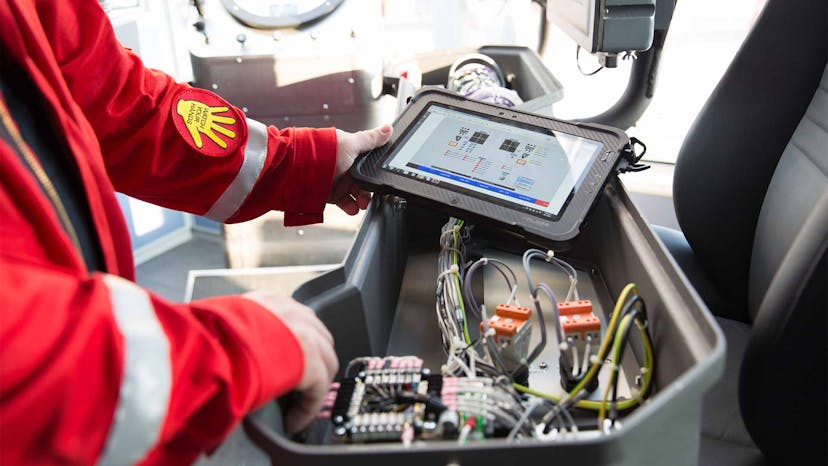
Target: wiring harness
[(482, 389)]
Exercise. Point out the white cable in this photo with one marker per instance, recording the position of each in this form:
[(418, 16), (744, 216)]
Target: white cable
[(466, 369), (575, 365), (464, 433), (513, 296), (452, 270), (587, 350)]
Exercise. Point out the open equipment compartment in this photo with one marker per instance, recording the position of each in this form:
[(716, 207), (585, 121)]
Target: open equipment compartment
[(380, 301), (360, 300)]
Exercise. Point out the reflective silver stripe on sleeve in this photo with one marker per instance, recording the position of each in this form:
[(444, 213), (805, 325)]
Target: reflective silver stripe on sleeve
[(146, 378), (255, 153)]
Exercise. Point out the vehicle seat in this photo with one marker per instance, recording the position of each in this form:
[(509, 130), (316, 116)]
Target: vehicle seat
[(751, 197)]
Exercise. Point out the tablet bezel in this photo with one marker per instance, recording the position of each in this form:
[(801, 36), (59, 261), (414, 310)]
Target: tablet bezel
[(368, 170)]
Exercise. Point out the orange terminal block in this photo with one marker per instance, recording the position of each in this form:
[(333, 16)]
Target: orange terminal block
[(578, 321), (583, 306), (508, 320), (512, 332), (513, 312), (503, 327), (578, 326)]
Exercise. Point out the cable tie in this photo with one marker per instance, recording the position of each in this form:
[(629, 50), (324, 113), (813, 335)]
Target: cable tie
[(594, 359), (484, 260), (563, 346), (549, 255), (644, 370), (607, 426)]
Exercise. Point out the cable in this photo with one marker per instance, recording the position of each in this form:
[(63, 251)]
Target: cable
[(568, 418), (450, 308), (528, 256), (587, 349), (602, 351), (523, 418), (494, 353), (619, 352), (647, 369), (612, 383), (499, 266), (575, 363), (578, 62), (573, 278)]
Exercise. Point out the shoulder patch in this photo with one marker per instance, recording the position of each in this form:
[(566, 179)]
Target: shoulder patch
[(208, 123)]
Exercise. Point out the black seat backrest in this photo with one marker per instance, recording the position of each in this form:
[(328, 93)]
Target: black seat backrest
[(751, 195), (732, 149)]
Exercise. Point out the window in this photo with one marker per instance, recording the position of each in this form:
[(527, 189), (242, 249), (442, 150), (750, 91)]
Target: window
[(703, 38)]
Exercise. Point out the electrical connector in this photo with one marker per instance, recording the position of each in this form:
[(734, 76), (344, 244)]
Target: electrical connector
[(578, 322), (582, 329), (582, 306), (512, 332)]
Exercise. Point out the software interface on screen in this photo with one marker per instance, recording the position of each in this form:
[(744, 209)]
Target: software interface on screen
[(532, 169)]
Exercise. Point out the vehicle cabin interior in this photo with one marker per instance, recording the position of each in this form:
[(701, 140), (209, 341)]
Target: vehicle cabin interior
[(677, 322)]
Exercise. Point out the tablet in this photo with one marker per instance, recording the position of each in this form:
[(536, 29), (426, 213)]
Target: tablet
[(528, 172)]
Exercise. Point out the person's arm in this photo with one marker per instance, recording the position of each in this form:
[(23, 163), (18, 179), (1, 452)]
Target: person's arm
[(181, 147), (98, 369)]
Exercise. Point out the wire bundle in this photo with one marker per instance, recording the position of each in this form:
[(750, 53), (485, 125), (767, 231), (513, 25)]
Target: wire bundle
[(455, 297), (629, 309)]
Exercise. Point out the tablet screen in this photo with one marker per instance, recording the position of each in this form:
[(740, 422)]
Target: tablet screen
[(516, 164)]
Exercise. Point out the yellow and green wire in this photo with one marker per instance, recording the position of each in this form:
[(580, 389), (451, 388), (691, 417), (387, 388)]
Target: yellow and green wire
[(601, 406), (456, 261)]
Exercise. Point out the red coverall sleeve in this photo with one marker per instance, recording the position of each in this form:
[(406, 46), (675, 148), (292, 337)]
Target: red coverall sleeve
[(143, 120), (60, 378)]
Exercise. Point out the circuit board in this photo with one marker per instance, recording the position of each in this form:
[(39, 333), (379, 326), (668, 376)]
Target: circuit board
[(396, 399)]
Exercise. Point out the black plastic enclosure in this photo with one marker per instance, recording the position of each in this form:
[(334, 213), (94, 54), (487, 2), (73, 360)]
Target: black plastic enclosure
[(380, 301)]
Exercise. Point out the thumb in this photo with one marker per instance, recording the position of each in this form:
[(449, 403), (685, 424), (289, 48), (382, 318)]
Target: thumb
[(372, 138)]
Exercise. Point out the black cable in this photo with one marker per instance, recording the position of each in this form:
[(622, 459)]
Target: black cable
[(624, 310), (616, 367), (568, 418), (578, 62), (624, 342)]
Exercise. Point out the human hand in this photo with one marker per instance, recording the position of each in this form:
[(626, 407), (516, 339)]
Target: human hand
[(200, 118), (345, 193), (320, 362)]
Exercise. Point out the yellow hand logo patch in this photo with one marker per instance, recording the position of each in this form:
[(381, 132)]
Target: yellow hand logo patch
[(200, 118)]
